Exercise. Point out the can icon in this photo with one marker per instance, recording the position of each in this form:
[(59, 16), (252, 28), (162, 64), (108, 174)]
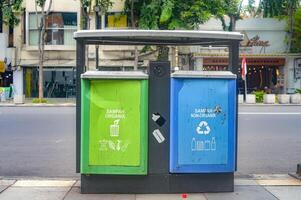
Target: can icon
[(114, 128)]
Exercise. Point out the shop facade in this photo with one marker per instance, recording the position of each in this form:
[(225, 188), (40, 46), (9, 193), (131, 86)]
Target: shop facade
[(269, 65), (59, 82), (6, 66), (59, 54)]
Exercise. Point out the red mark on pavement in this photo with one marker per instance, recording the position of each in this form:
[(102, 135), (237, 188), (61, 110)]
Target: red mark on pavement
[(184, 196)]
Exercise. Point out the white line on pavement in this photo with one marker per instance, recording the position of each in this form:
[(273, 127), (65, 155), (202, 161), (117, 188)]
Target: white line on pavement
[(269, 113)]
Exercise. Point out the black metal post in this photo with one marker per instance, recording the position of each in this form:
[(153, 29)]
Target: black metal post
[(80, 64), (159, 98), (233, 67)]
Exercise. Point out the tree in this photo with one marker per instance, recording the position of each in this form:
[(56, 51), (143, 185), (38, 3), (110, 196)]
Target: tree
[(172, 14), (296, 37), (281, 9), (42, 11), (7, 9), (86, 9), (232, 9)]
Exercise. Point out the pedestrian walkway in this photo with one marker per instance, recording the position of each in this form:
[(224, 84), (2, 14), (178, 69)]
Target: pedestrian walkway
[(257, 187), (50, 102)]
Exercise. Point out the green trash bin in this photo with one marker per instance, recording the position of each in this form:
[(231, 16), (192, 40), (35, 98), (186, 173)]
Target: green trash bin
[(114, 121)]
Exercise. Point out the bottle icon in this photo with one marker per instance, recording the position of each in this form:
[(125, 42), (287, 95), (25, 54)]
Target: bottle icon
[(193, 145), (213, 144), (207, 145), (114, 129), (200, 145)]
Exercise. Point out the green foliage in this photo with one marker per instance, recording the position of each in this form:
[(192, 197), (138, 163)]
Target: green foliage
[(39, 100), (8, 9), (85, 3), (232, 9), (173, 14), (40, 3), (289, 10), (149, 15), (86, 6), (296, 37), (278, 8), (103, 4), (166, 13), (298, 91), (259, 95)]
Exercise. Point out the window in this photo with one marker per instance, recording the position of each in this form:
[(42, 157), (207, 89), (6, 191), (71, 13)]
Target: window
[(59, 82), (116, 20), (59, 28)]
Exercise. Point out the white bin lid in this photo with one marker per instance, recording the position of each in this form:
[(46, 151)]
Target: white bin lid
[(204, 74), (114, 75)]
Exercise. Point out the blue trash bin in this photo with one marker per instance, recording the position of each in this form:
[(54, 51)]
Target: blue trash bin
[(203, 122)]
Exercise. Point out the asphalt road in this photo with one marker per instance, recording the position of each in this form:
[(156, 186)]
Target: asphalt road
[(269, 139), (37, 141), (40, 141)]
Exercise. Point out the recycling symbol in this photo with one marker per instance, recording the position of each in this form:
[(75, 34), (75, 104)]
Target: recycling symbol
[(203, 128)]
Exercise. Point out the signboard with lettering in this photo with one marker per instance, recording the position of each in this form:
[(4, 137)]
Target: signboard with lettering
[(203, 125), (115, 128)]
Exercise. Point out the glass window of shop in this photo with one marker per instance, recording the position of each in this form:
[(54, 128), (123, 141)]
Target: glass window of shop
[(58, 82), (266, 78), (59, 28)]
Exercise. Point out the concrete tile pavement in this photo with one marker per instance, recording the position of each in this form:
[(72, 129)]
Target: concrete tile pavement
[(74, 194), (4, 184), (285, 192), (58, 189), (34, 193), (250, 192)]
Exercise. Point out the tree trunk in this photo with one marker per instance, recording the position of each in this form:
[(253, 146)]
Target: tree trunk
[(224, 25), (41, 56), (232, 23), (134, 26), (163, 53), (41, 95), (41, 44), (291, 29)]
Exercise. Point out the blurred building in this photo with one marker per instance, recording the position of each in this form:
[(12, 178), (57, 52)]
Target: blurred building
[(264, 47)]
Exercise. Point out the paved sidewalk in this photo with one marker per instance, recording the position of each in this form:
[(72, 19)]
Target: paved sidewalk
[(71, 102), (50, 102), (258, 187)]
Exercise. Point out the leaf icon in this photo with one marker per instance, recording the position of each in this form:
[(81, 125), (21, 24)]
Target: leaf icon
[(124, 146)]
